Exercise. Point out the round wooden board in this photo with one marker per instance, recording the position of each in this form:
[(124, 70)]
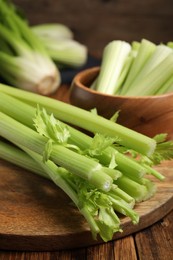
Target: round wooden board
[(36, 215)]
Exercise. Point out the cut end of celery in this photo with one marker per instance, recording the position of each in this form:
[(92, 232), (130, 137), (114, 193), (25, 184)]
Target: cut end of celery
[(48, 85), (152, 147)]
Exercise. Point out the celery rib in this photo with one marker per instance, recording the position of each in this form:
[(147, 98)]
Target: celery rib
[(87, 120), (78, 164)]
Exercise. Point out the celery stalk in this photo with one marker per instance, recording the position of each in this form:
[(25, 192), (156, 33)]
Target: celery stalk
[(27, 65), (26, 114), (124, 72), (88, 200), (60, 45), (16, 156), (78, 164), (144, 52), (127, 165), (53, 31), (150, 83), (114, 56), (170, 89), (170, 44), (68, 52), (87, 120), (132, 187), (166, 87), (123, 209)]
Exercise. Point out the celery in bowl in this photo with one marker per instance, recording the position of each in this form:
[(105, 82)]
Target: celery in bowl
[(135, 79)]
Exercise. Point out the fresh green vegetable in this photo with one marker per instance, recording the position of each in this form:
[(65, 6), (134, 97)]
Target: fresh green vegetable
[(146, 71), (87, 120), (155, 72), (67, 52), (114, 57), (15, 155), (100, 179), (144, 52), (24, 61), (98, 147), (78, 164), (170, 44), (97, 207), (166, 87), (60, 45), (52, 31)]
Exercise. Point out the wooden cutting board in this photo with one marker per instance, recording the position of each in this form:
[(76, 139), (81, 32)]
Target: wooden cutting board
[(36, 215)]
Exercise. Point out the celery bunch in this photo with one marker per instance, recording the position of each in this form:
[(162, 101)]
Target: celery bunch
[(96, 172), (140, 69), (24, 61), (30, 57), (60, 44)]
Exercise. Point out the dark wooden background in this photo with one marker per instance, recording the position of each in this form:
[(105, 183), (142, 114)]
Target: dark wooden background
[(95, 22)]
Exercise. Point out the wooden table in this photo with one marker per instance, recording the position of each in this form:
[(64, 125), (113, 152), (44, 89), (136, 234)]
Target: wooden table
[(154, 242)]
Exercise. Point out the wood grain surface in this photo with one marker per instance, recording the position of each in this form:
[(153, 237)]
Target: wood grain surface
[(36, 215)]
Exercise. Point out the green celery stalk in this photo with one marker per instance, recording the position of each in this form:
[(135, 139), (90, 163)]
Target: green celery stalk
[(170, 44), (123, 209), (133, 188), (77, 191), (170, 89), (53, 31), (151, 188), (150, 83), (125, 70), (16, 156), (144, 53), (67, 51), (78, 164), (60, 45), (12, 107), (27, 55), (154, 172), (166, 87), (86, 120), (128, 166), (135, 45), (114, 56)]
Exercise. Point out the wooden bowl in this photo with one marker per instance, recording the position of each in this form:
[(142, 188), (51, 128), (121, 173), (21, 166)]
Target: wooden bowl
[(149, 115)]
